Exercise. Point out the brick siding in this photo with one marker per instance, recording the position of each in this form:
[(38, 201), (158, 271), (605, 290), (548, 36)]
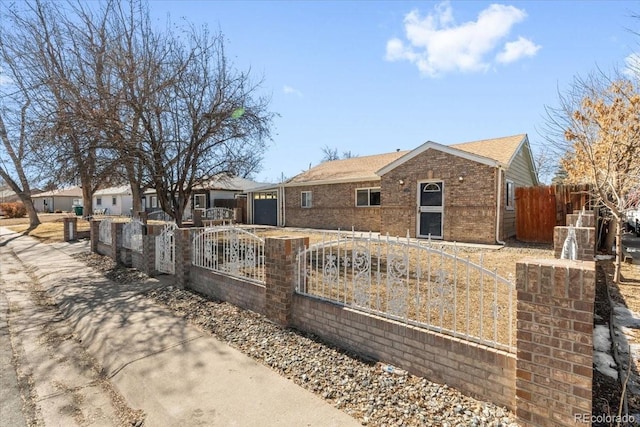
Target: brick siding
[(470, 205), (333, 206)]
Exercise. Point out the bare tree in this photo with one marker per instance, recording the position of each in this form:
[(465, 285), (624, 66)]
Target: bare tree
[(12, 168), (329, 154), (15, 131), (59, 55), (599, 120), (118, 101), (210, 120)]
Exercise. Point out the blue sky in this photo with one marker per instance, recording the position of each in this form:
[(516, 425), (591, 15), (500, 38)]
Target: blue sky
[(373, 76)]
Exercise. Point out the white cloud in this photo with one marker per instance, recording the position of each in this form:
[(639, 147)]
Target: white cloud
[(632, 65), (436, 45), (516, 50), (288, 90)]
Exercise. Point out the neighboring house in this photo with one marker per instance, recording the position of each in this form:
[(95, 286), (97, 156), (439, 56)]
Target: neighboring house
[(222, 190), (462, 192), (61, 200), (113, 200)]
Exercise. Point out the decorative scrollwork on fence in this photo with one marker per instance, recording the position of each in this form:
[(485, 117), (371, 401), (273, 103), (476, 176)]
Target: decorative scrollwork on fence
[(132, 235), (397, 268), (230, 250), (218, 214), (166, 249), (361, 262), (411, 281), (104, 231)]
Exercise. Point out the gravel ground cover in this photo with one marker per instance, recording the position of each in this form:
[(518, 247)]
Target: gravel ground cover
[(362, 388)]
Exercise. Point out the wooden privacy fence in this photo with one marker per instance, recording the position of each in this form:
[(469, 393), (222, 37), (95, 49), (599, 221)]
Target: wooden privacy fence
[(540, 209)]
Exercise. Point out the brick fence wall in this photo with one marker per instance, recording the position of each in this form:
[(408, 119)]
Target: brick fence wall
[(554, 341), (547, 382), (476, 370), (244, 294)]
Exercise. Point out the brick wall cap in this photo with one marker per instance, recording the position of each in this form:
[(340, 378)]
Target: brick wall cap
[(552, 262)]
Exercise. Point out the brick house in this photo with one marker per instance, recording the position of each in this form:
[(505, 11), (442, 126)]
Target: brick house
[(461, 192)]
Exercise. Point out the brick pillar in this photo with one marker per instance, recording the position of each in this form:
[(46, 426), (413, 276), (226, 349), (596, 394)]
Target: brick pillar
[(585, 239), (148, 265), (182, 258), (94, 234), (554, 366), (116, 240), (280, 264), (197, 218), (237, 215), (588, 219), (70, 229)]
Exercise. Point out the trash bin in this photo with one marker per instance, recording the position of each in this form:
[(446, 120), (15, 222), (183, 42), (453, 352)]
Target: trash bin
[(78, 210)]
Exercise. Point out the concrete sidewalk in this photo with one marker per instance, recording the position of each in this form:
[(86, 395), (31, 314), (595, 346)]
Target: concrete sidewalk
[(176, 374)]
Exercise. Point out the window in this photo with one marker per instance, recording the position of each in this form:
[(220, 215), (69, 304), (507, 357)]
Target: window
[(510, 196), (305, 199), (200, 201), (114, 201), (154, 201), (98, 201), (265, 196), (367, 197)]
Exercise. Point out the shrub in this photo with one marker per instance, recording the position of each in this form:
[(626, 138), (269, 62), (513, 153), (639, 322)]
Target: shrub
[(13, 210)]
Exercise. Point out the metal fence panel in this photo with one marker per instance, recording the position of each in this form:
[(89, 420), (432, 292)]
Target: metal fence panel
[(230, 250), (104, 231), (132, 235), (414, 282), (166, 249)]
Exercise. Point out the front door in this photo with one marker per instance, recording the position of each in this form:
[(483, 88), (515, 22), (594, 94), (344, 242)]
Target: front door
[(430, 209)]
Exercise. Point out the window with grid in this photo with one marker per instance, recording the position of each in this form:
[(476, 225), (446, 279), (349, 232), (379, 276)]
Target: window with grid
[(367, 197)]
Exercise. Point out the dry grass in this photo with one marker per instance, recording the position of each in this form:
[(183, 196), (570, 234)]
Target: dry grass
[(50, 230)]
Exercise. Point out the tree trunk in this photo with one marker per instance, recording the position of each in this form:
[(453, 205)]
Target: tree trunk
[(136, 194), (619, 255), (25, 197), (34, 221), (87, 200), (610, 238)]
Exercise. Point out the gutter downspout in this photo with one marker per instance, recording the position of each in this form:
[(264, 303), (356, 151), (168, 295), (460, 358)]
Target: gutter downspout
[(282, 218), (498, 207)]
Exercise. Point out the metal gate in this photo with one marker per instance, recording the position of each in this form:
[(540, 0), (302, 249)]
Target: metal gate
[(166, 249)]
